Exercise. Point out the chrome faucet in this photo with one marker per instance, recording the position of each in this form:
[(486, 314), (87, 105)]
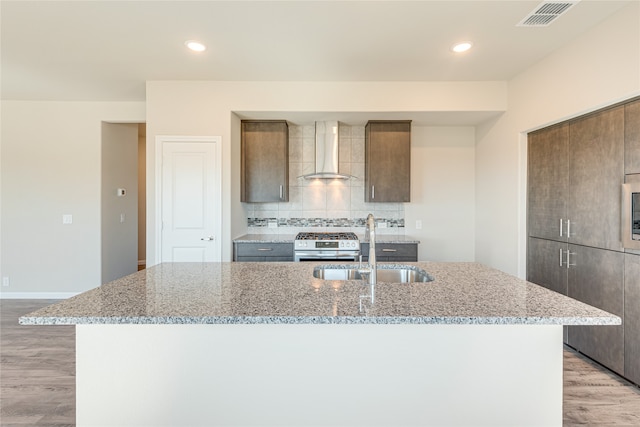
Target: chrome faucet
[(373, 265)]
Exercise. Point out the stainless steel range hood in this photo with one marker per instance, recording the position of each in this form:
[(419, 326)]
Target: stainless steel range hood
[(327, 150)]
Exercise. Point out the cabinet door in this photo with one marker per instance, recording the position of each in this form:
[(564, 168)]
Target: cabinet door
[(632, 317), (265, 161), (596, 174), (632, 137), (546, 264), (388, 161), (547, 182), (597, 279)]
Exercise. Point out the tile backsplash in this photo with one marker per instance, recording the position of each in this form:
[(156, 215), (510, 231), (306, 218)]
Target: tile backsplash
[(324, 204)]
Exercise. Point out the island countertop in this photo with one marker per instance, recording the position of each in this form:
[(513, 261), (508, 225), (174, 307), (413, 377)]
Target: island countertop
[(287, 292)]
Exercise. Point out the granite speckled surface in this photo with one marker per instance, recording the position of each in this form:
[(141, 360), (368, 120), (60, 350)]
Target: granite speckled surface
[(289, 238), (247, 292)]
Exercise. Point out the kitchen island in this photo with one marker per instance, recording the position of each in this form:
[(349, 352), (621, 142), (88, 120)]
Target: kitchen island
[(269, 344)]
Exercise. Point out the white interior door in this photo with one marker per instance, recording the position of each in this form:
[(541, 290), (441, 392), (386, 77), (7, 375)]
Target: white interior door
[(191, 200)]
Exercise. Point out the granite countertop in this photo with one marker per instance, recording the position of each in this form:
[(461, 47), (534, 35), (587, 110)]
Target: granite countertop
[(287, 292), (289, 238)]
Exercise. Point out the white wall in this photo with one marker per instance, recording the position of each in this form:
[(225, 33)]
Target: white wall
[(600, 68), (51, 167), (442, 193), (119, 214), (207, 108)]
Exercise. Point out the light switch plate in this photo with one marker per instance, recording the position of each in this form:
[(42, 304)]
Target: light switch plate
[(418, 224), (67, 219)]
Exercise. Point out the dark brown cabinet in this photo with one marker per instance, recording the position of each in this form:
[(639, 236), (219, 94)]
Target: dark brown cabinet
[(632, 137), (575, 174), (388, 161), (264, 161), (596, 175), (391, 252), (546, 264), (548, 182), (593, 276), (596, 277), (264, 252), (632, 317)]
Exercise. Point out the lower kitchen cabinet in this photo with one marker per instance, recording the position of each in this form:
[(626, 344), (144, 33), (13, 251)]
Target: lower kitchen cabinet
[(545, 264), (245, 252), (593, 276), (596, 277), (391, 252), (632, 317)]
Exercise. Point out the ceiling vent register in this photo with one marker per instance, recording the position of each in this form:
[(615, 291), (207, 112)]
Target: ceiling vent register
[(545, 13)]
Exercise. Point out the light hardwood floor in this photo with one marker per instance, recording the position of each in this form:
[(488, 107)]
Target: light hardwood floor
[(37, 378)]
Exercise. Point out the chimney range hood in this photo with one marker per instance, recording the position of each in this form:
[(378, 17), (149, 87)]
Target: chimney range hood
[(327, 150)]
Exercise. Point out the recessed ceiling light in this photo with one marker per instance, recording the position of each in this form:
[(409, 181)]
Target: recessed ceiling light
[(461, 47), (195, 46)]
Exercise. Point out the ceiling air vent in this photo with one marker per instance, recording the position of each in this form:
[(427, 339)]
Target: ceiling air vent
[(545, 13)]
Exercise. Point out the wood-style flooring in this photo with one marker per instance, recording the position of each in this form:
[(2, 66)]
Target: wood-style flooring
[(37, 378)]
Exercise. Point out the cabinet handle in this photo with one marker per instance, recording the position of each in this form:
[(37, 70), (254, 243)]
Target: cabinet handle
[(265, 249), (568, 231), (561, 262), (281, 192), (389, 250), (561, 221), (208, 239), (569, 253), (373, 191)]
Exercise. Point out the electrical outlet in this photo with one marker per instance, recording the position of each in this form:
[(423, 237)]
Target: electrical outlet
[(418, 224), (67, 219), (382, 224), (272, 223), (122, 217), (5, 281)]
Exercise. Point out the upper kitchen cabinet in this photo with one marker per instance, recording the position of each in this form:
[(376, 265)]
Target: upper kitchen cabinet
[(575, 174), (596, 175), (632, 137), (548, 182), (265, 161), (387, 161)]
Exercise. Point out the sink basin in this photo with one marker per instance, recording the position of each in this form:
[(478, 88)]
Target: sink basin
[(386, 273)]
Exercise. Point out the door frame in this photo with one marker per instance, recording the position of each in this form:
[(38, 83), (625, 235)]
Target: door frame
[(160, 140)]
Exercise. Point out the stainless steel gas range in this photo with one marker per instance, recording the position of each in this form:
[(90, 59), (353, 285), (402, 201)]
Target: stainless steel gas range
[(327, 246)]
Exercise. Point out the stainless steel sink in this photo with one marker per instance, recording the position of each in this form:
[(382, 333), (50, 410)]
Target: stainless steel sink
[(386, 273)]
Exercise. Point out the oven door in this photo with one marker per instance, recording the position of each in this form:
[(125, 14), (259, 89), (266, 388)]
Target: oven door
[(631, 215), (326, 255)]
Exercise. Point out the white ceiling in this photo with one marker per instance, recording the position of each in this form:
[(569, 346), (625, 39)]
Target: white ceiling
[(106, 50)]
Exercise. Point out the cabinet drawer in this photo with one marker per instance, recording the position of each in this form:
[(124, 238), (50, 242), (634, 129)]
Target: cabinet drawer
[(283, 251), (392, 251)]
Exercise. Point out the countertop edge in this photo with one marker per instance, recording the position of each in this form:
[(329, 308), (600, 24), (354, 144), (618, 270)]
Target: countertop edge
[(337, 320)]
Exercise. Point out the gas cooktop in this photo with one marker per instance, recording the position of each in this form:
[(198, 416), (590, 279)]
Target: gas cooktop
[(335, 236)]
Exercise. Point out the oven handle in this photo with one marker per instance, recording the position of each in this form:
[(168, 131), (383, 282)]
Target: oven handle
[(316, 255), (313, 256)]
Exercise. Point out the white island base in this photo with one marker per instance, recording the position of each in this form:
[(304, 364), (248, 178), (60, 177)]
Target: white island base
[(319, 375)]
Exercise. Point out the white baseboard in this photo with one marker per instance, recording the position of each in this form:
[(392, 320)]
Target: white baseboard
[(37, 295)]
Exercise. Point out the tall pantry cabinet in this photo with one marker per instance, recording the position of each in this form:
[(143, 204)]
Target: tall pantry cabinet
[(575, 175), (632, 260)]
